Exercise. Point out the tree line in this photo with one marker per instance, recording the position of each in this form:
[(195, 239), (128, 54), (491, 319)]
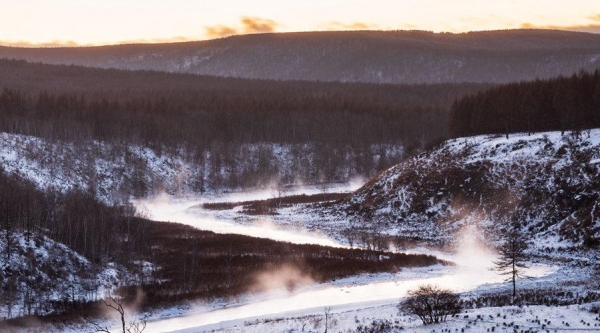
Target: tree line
[(332, 130), (75, 218), (71, 103), (562, 103), (186, 263)]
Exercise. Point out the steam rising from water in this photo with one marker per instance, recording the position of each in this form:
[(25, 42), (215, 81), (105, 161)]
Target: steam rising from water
[(165, 208), (287, 276), (275, 189), (472, 253), (131, 308), (473, 262), (472, 259)]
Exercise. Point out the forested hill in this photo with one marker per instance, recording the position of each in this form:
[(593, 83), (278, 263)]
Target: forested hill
[(563, 103), (71, 126), (354, 56), (144, 107)]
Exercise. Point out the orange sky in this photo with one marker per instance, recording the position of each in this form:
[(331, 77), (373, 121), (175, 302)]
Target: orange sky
[(96, 22)]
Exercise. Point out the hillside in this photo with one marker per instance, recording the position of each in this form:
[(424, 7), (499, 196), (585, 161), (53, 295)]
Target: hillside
[(562, 103), (355, 56), (40, 276), (114, 173), (548, 182)]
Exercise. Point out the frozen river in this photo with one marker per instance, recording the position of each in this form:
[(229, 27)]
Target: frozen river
[(472, 271), (170, 209)]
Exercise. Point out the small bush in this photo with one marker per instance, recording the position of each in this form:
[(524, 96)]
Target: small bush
[(431, 304)]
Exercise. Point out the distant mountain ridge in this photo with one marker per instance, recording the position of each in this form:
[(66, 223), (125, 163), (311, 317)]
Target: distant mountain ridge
[(352, 56)]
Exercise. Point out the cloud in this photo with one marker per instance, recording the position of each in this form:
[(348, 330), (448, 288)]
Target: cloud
[(257, 25), (593, 26), (220, 31), (335, 25), (68, 43), (527, 25), (54, 43), (176, 39), (249, 25), (595, 18)]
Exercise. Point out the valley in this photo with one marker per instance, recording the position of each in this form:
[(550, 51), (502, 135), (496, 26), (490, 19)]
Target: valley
[(469, 272), (559, 264), (322, 181)]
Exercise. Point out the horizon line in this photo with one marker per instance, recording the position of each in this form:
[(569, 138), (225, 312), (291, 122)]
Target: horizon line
[(179, 39)]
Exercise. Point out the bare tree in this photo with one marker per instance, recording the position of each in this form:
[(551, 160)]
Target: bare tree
[(229, 266), (327, 313), (379, 224), (351, 231), (10, 293), (513, 256), (371, 234), (279, 192), (135, 326), (431, 304)]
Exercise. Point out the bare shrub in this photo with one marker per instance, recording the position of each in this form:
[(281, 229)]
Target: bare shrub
[(431, 304)]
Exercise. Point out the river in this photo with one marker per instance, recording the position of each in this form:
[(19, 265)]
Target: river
[(471, 272)]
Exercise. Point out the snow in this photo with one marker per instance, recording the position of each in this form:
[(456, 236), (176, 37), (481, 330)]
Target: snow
[(360, 300), (352, 294), (169, 209), (504, 319), (417, 192), (57, 268), (110, 170)]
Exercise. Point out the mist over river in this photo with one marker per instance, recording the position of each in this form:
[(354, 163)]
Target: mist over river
[(470, 272)]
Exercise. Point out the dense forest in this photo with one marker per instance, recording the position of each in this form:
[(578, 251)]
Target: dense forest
[(72, 103), (224, 128), (563, 103), (76, 219), (72, 120)]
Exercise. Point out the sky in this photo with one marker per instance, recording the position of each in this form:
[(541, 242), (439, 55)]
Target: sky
[(101, 22)]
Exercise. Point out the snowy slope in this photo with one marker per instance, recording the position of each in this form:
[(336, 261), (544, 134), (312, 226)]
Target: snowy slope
[(117, 172), (548, 181), (38, 273)]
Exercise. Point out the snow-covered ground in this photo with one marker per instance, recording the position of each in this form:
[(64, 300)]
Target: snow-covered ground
[(350, 295), (184, 210), (116, 172), (493, 319), (363, 299), (40, 271), (548, 181), (358, 300)]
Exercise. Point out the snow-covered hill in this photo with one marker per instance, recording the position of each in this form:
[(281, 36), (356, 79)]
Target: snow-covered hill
[(38, 275), (549, 182), (114, 173)]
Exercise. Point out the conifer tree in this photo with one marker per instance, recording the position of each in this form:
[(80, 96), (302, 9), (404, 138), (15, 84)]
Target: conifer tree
[(513, 256)]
